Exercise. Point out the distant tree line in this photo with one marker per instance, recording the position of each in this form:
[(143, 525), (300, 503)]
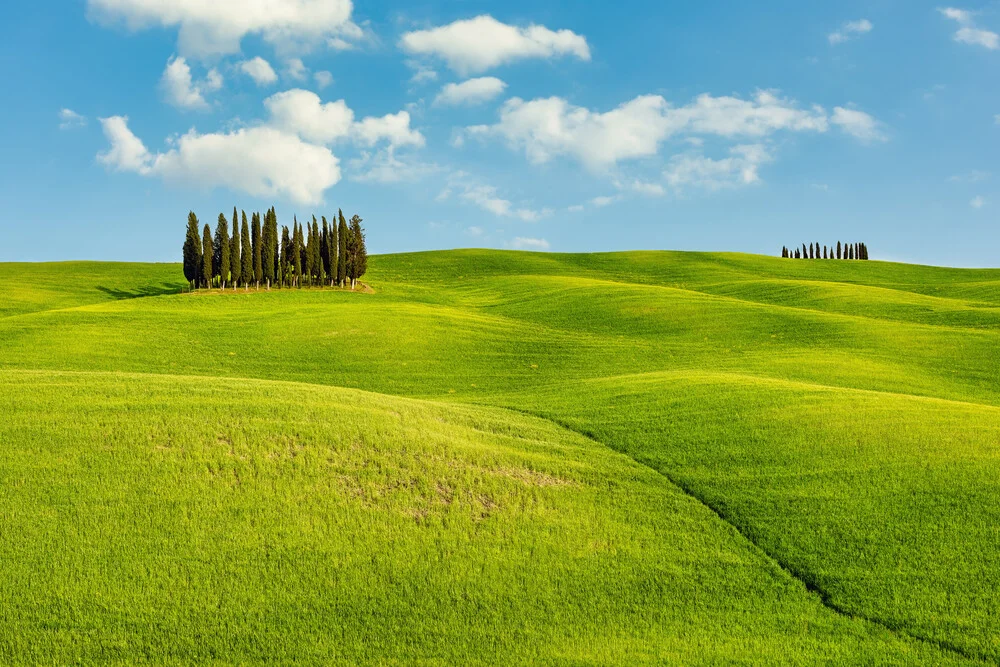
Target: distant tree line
[(254, 254), (812, 251)]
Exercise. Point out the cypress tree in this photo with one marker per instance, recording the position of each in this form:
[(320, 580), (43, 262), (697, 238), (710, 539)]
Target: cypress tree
[(286, 244), (324, 247), (851, 252), (317, 259), (341, 249), (275, 254), (246, 272), (220, 264), (359, 251), (192, 251), (838, 250), (235, 259), (310, 246), (297, 252), (206, 256), (334, 252), (268, 247), (258, 269)]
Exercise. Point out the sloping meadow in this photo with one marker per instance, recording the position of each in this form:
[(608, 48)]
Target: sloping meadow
[(620, 458)]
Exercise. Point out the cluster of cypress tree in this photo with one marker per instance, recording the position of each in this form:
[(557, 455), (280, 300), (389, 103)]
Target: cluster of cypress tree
[(254, 254), (812, 251)]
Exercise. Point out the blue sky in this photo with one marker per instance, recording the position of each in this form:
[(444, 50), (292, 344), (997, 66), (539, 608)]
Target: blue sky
[(560, 126)]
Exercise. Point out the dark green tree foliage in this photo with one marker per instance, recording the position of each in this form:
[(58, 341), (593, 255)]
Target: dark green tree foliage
[(246, 272), (341, 249), (219, 272), (221, 259), (317, 259), (269, 245), (275, 254), (207, 252), (235, 259), (838, 250), (192, 251), (824, 253), (258, 268), (324, 247), (310, 265), (297, 252), (286, 244), (358, 251)]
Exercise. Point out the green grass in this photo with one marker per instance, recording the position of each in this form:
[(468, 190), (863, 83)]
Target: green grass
[(503, 457)]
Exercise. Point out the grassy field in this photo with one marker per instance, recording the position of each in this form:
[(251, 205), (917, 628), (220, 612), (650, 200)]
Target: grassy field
[(503, 457)]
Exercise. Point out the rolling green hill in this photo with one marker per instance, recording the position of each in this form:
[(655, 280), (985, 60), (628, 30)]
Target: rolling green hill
[(503, 457)]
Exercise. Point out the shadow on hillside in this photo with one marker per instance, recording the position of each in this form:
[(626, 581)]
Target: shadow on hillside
[(140, 292)]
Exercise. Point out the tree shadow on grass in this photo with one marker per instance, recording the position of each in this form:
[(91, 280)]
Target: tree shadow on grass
[(140, 292)]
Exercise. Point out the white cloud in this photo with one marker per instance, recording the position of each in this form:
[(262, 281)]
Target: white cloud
[(641, 187), (974, 176), (127, 152), (385, 166), (394, 128), (339, 44), (547, 128), (421, 73), (698, 171), (323, 79), (858, 124), (261, 161), (475, 231), (471, 92), (977, 203), (977, 37), (217, 27), (487, 198), (259, 70), (182, 91), (69, 119), (967, 32), (476, 45), (302, 112), (850, 30), (601, 202), (522, 243), (296, 69), (961, 15)]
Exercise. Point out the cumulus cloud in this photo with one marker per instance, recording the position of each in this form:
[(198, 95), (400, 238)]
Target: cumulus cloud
[(523, 243), (296, 69), (384, 166), (394, 128), (967, 32), (471, 92), (858, 124), (476, 45), (698, 171), (70, 120), (487, 198), (421, 73), (180, 89), (261, 161), (323, 79), (127, 152), (217, 27), (259, 70), (551, 127), (850, 30), (301, 112)]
